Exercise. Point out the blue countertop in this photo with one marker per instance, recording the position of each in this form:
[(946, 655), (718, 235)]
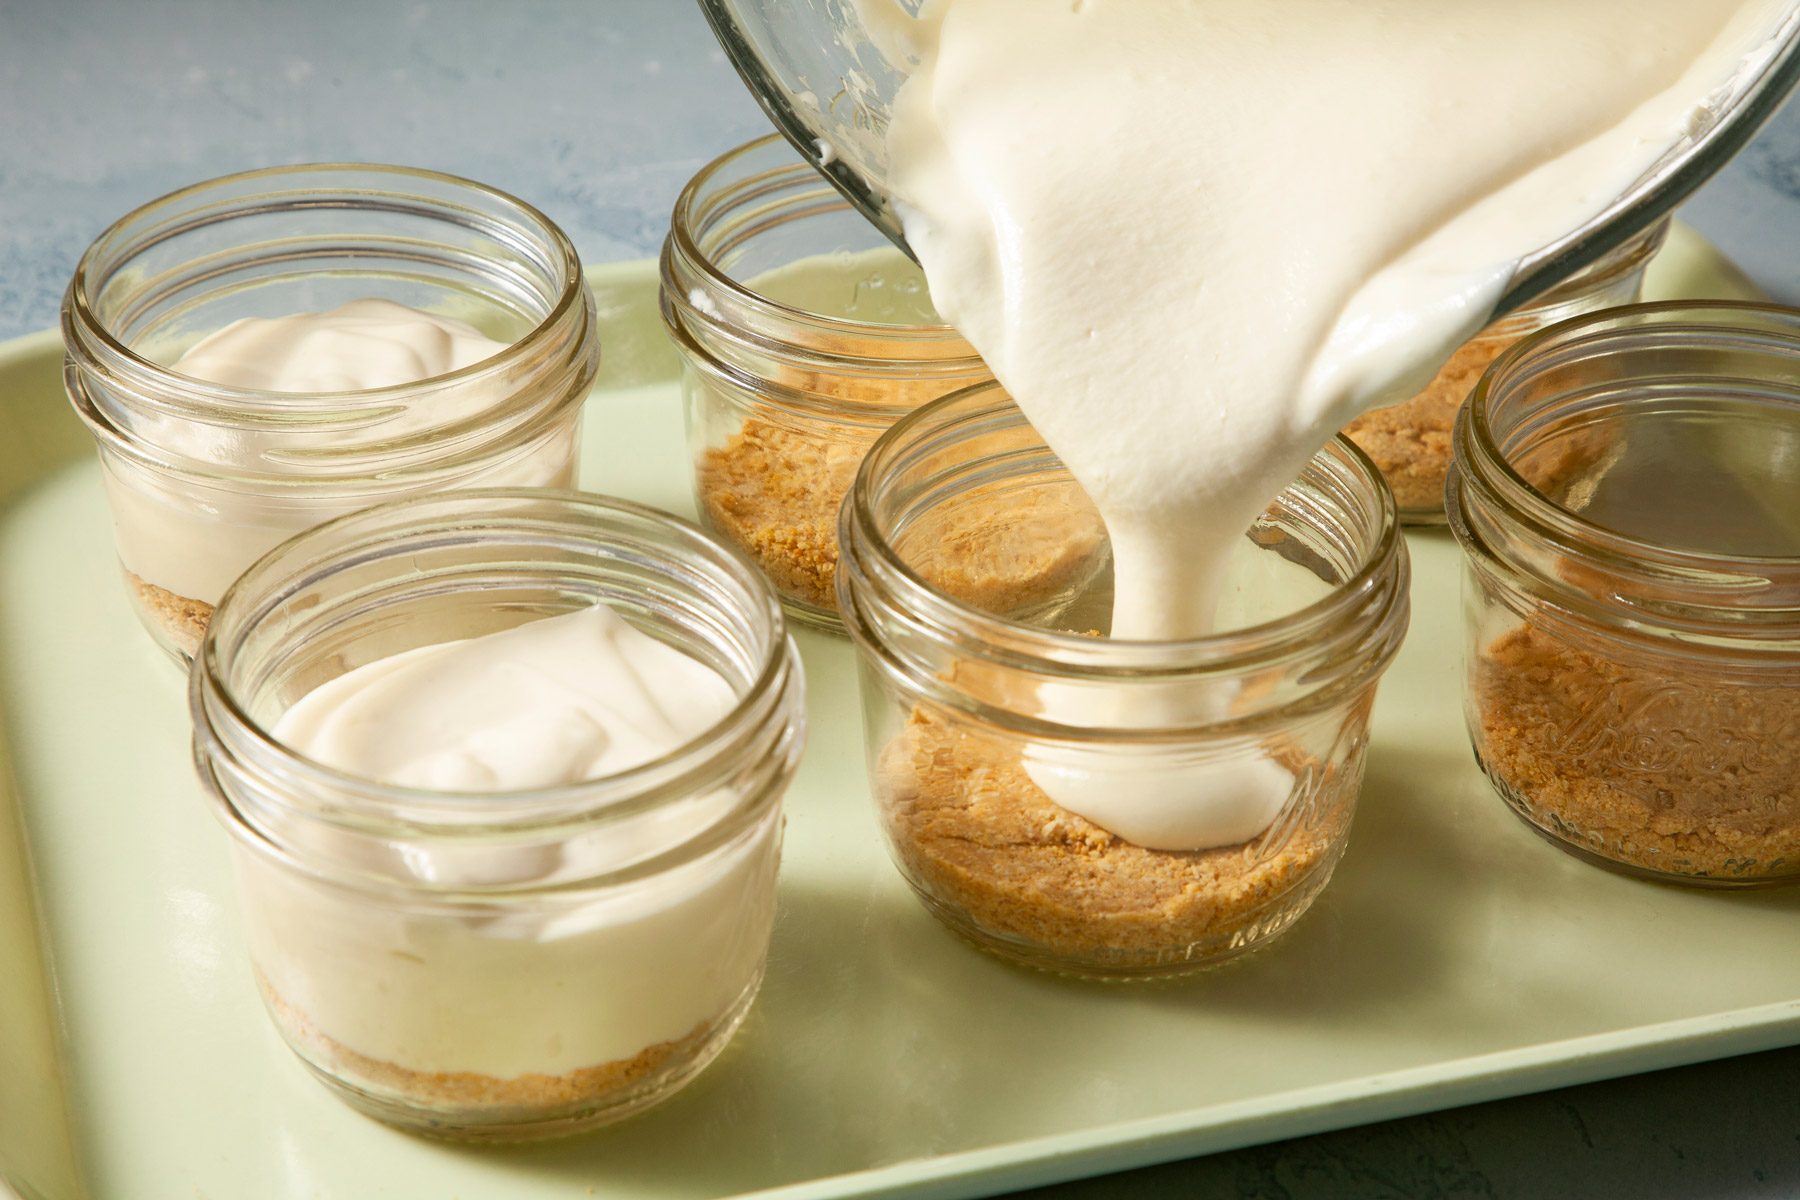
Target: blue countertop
[(598, 111)]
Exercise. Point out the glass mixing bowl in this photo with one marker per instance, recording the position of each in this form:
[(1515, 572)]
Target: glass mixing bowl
[(826, 72)]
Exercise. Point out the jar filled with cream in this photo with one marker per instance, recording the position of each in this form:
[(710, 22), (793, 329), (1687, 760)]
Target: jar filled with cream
[(265, 351), (1095, 805), (502, 772)]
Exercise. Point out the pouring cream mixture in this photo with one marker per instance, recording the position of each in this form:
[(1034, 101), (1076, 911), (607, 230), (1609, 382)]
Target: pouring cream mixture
[(1195, 238)]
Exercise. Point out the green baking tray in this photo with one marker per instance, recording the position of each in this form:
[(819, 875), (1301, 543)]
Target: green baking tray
[(1455, 958)]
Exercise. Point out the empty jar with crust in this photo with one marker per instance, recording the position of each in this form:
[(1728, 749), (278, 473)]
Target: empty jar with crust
[(803, 335), (1410, 441), (203, 477), (500, 964), (1627, 496), (974, 716)]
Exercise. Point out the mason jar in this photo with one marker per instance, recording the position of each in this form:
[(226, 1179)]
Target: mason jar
[(1627, 497), (1410, 441), (973, 716), (497, 965), (202, 478), (802, 335)]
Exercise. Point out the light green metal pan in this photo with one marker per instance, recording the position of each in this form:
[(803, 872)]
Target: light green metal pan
[(1456, 957)]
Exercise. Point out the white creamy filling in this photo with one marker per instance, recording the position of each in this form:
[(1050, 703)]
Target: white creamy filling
[(192, 537), (1194, 239), (429, 992), (560, 700), (355, 347), (543, 986)]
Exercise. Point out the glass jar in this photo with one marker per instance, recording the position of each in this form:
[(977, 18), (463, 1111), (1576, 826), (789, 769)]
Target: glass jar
[(1410, 441), (965, 707), (803, 335), (515, 964), (202, 478), (1627, 495)]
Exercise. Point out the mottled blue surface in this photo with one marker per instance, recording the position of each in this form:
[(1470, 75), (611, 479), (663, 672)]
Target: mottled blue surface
[(598, 111)]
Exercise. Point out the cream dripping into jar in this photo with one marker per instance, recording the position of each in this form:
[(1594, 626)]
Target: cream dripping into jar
[(1195, 240)]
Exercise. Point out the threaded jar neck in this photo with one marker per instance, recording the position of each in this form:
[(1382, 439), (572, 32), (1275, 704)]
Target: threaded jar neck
[(307, 238), (417, 572), (759, 210), (1338, 520), (1634, 469)]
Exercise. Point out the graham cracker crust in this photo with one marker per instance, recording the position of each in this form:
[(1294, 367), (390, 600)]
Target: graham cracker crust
[(1684, 776), (471, 1091), (181, 619), (775, 493), (1410, 441), (980, 838), (774, 489)]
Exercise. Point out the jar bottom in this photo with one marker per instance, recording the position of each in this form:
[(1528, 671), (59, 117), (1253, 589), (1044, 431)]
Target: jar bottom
[(808, 616), (774, 492), (1657, 767), (176, 623), (1591, 848), (1000, 864), (468, 1107), (1126, 967), (1423, 518)]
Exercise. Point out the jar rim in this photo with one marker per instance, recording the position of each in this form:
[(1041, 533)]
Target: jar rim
[(667, 779), (1633, 254), (1480, 457), (772, 393), (78, 311), (683, 242), (446, 470), (1278, 639)]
